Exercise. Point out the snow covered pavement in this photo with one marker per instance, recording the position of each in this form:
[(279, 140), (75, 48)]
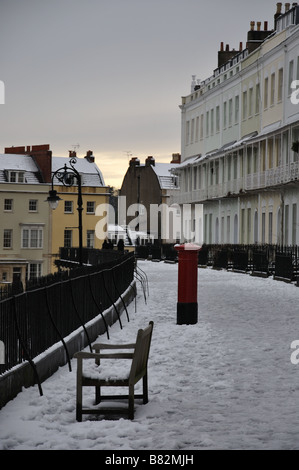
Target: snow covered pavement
[(225, 383)]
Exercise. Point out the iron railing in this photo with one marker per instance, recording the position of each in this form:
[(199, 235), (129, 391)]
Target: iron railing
[(34, 320)]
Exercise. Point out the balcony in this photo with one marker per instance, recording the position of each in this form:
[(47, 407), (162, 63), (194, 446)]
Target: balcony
[(271, 178)]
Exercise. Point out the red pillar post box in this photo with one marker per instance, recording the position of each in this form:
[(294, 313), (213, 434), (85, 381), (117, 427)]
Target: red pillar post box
[(187, 307)]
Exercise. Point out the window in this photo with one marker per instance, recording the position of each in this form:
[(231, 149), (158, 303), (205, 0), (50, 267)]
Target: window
[(291, 73), (197, 129), (68, 237), (212, 121), (192, 131), (7, 238), (250, 103), (32, 237), (8, 204), (266, 92), (90, 207), (270, 228), (90, 239), (217, 119), (16, 177), (257, 98), (207, 123), (230, 112), (294, 224), (68, 207), (237, 106), (224, 114), (35, 270), (187, 132), (272, 97), (195, 177), (201, 126), (280, 84), (32, 205), (244, 114)]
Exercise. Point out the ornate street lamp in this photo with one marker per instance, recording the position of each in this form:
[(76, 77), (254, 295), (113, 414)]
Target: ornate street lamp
[(68, 175)]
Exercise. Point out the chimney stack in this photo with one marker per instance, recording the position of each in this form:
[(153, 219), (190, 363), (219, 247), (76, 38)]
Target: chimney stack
[(89, 156), (176, 158), (287, 7), (225, 55), (134, 162), (256, 37), (150, 161)]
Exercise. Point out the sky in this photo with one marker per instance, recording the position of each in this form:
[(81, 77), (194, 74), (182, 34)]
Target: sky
[(108, 75)]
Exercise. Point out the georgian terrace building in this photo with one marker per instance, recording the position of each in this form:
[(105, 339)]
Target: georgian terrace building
[(238, 131), (30, 232)]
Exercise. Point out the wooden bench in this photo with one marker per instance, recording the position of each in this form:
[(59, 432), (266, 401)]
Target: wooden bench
[(123, 374)]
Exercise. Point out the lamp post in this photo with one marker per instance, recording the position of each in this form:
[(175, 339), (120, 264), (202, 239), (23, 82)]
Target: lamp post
[(67, 175)]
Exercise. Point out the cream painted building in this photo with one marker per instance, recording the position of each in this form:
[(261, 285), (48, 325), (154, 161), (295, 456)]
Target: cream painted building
[(30, 232), (238, 127), (24, 235)]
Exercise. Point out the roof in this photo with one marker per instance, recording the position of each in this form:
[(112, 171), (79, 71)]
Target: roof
[(13, 162), (91, 175), (89, 171), (163, 172)]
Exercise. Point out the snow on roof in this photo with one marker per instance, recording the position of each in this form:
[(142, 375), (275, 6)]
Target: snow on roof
[(14, 162), (17, 162), (90, 173), (163, 172)]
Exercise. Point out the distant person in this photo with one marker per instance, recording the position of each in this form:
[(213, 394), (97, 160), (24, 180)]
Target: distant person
[(105, 245), (120, 245), (110, 245)]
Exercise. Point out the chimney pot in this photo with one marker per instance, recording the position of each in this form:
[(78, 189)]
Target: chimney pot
[(287, 7), (252, 24), (227, 48), (221, 46), (258, 25), (265, 25), (241, 46)]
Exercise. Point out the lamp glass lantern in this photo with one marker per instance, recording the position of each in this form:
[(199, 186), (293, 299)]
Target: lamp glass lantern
[(53, 199)]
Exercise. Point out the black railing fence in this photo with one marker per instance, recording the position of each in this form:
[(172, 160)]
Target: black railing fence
[(34, 320), (279, 261)]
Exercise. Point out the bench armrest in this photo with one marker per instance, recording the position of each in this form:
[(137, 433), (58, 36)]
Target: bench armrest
[(99, 346)]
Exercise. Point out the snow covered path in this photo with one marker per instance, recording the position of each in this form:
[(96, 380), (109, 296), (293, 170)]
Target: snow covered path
[(225, 383)]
